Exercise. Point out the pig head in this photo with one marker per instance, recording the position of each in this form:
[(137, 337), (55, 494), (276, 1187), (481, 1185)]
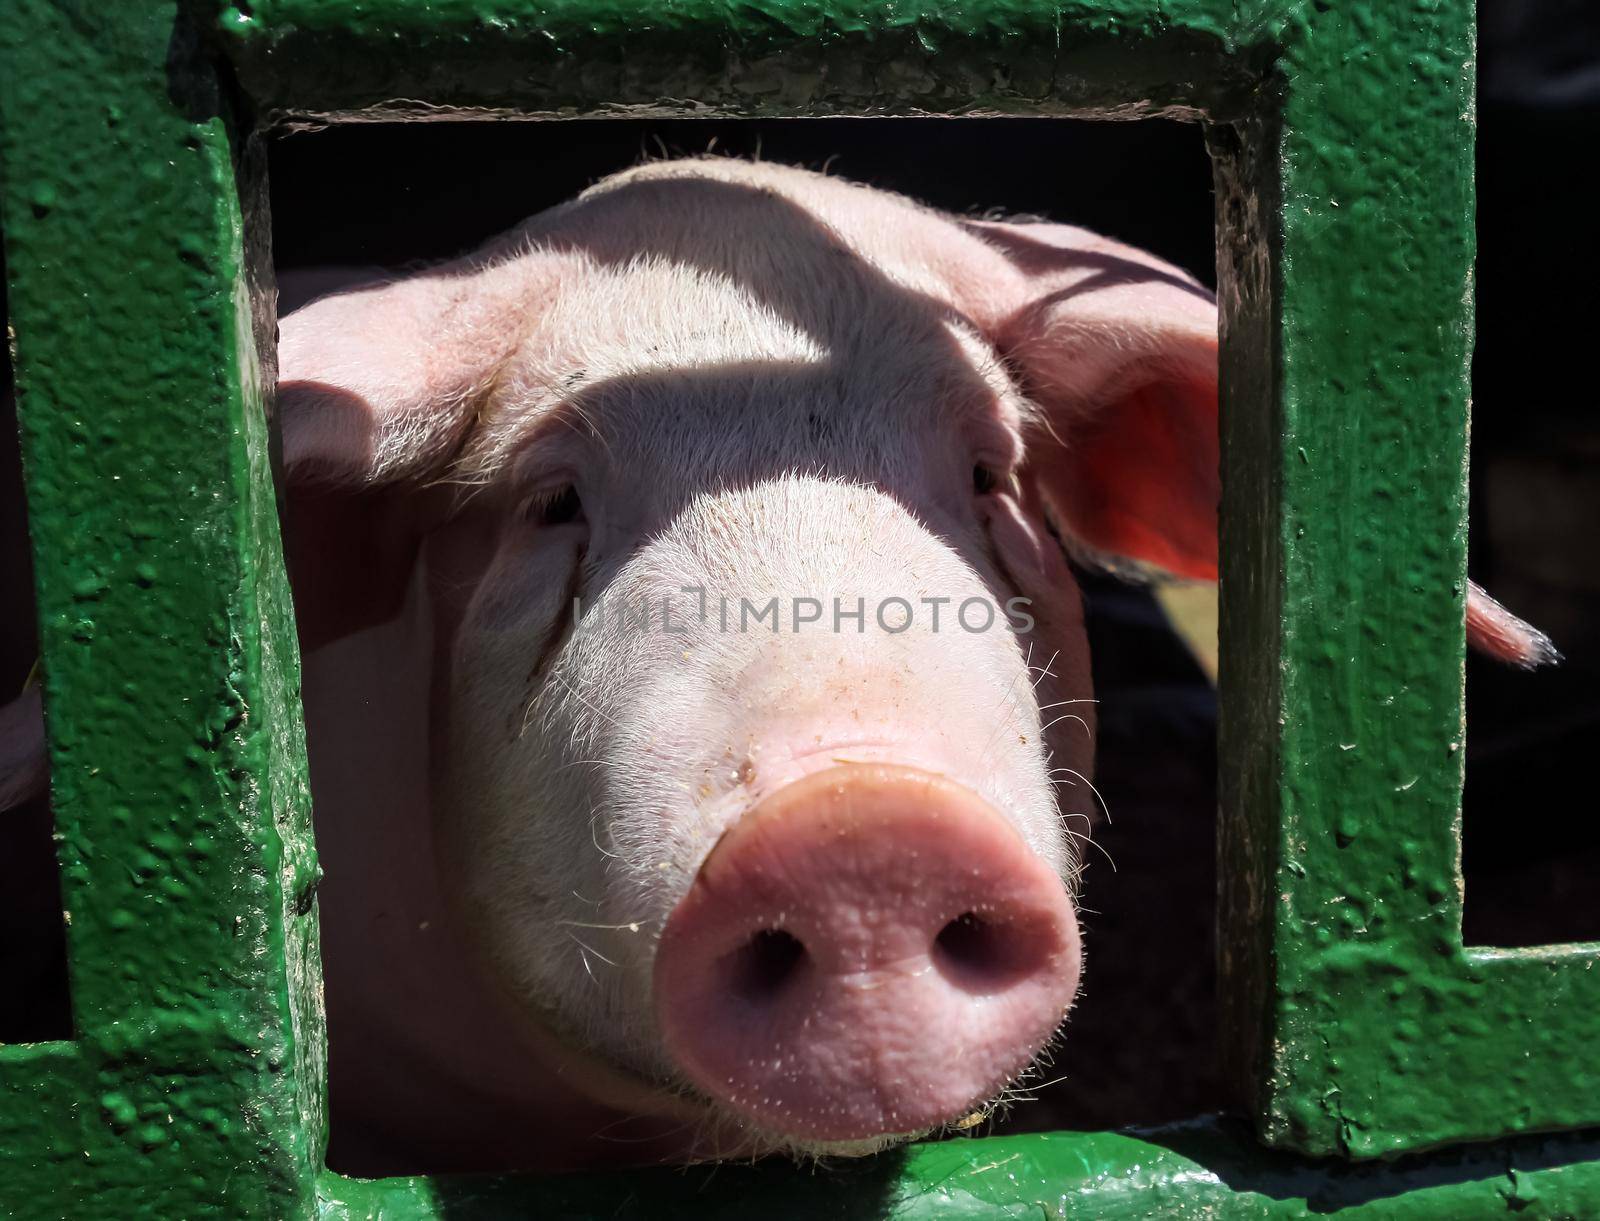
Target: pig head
[(760, 731)]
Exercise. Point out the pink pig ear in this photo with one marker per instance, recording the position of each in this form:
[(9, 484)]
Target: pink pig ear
[(380, 383), (1495, 631), (378, 387), (1119, 352)]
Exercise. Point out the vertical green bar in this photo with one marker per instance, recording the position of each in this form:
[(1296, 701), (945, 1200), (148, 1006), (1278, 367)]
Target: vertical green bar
[(1362, 1024), (194, 1084), (1376, 281)]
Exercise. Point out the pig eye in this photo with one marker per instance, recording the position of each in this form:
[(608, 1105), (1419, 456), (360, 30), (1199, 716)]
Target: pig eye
[(984, 480), (557, 510)]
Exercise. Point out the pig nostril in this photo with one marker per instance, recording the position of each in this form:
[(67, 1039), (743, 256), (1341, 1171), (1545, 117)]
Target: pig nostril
[(982, 955), (966, 943), (766, 962)]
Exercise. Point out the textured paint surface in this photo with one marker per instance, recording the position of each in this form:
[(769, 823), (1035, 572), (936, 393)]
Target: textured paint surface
[(136, 251), (427, 58), (1346, 237), (1196, 1170), (192, 1085)]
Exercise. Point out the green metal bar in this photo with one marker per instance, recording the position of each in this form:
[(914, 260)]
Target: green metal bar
[(193, 1084), (1369, 1028), (1201, 1170), (420, 58)]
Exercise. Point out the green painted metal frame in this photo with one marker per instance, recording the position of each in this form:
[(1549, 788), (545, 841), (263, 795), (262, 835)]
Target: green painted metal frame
[(139, 286)]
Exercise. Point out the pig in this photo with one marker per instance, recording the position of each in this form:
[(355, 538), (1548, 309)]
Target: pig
[(697, 695)]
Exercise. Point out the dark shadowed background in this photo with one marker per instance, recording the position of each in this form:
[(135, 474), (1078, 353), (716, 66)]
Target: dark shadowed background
[(1140, 1045)]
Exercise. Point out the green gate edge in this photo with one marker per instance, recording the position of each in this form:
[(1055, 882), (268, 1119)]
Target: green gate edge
[(171, 678), (1202, 1169)]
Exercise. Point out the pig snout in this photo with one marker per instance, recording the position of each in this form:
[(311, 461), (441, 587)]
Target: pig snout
[(870, 951)]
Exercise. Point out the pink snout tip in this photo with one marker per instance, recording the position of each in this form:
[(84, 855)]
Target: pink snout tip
[(872, 950)]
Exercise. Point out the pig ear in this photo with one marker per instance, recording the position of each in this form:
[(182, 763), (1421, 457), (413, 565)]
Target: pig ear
[(380, 383), (378, 387), (1118, 351), (1495, 631)]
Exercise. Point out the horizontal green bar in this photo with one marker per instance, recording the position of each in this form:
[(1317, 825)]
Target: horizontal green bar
[(323, 59), (1207, 1168), (146, 1124)]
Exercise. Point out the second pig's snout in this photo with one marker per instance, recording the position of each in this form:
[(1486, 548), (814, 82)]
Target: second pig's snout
[(872, 950)]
